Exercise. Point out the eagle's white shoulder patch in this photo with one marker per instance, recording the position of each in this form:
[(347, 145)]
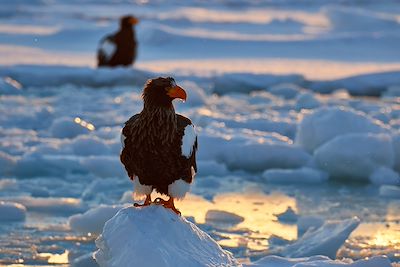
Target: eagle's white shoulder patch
[(123, 137), (188, 140), (108, 48)]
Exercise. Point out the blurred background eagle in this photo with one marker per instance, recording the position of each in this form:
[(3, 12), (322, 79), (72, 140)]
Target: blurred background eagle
[(120, 48)]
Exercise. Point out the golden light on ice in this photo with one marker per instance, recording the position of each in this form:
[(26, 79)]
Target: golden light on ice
[(85, 124), (259, 216), (13, 82), (56, 258)]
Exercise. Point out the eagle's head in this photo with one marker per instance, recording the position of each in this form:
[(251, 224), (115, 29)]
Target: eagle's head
[(160, 92), (128, 21)]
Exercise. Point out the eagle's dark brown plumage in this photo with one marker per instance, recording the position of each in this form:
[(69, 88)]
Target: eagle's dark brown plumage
[(159, 145)]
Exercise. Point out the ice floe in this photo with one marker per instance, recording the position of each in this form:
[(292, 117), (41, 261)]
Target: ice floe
[(355, 156), (325, 240), (11, 211), (289, 176), (93, 220)]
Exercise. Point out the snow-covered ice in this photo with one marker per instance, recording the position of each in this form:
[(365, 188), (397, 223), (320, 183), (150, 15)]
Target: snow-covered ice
[(390, 191), (302, 175), (325, 240), (10, 211), (222, 217), (154, 236), (93, 220), (355, 156), (327, 123), (288, 216)]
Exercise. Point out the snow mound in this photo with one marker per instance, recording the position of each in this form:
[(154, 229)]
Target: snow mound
[(305, 223), (93, 220), (155, 236), (288, 216), (61, 206), (319, 261), (325, 240), (248, 82), (51, 75), (10, 211), (384, 175), (197, 96), (324, 124), (7, 163), (355, 156), (103, 166), (392, 91), (355, 19), (259, 157), (9, 86), (390, 191), (307, 100), (371, 84), (67, 128), (89, 145), (302, 175), (396, 146), (85, 260), (286, 91)]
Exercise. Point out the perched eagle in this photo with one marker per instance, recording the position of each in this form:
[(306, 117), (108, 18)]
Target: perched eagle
[(119, 49), (159, 146)]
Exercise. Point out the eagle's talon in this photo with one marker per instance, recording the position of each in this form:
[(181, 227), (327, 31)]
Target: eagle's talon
[(169, 204), (147, 202)]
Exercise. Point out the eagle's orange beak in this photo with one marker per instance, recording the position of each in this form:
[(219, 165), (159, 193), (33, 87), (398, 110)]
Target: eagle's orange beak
[(133, 21), (177, 92)]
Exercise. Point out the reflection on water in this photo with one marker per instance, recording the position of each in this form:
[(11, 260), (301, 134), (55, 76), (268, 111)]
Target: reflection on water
[(258, 210)]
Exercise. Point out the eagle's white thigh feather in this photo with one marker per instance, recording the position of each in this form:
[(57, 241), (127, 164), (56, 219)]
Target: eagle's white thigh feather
[(178, 189), (140, 189), (188, 140)]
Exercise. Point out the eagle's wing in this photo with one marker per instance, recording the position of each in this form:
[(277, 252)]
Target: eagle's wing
[(106, 49), (189, 141), (126, 153)]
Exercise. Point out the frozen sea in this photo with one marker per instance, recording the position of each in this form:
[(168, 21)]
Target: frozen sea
[(296, 103)]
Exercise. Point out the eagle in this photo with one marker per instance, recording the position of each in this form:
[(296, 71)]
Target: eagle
[(159, 145), (119, 49)]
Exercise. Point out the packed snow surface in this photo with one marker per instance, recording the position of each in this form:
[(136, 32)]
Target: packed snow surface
[(155, 236)]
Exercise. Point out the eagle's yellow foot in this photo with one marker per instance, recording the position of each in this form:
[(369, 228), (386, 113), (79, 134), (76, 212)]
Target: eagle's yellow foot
[(147, 202), (169, 204)]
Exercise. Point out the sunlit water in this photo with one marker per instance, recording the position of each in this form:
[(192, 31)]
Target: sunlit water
[(45, 239)]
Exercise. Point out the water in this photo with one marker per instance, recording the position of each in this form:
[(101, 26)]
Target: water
[(45, 239)]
